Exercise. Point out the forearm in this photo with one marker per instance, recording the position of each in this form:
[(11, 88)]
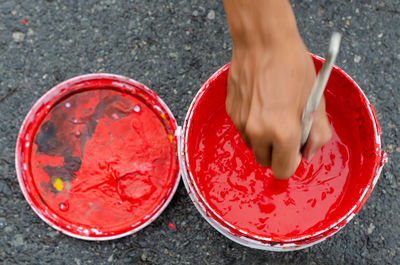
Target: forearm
[(260, 22)]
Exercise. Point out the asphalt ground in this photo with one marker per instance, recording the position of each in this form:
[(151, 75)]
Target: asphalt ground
[(173, 47)]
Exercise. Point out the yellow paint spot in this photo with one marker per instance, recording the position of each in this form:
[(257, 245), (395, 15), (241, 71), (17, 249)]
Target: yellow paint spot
[(163, 116), (57, 183), (170, 137)]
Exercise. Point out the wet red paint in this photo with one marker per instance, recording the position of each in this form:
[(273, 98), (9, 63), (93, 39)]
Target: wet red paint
[(103, 160), (246, 198)]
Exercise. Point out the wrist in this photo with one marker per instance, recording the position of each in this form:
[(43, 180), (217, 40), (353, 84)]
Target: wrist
[(261, 23)]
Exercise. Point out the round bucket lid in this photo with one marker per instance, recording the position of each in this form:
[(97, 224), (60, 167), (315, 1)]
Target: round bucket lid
[(96, 157)]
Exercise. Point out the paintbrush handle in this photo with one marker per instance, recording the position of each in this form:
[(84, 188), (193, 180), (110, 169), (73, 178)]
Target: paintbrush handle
[(319, 86)]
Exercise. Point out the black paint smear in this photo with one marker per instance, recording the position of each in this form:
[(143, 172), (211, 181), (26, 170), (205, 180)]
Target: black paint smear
[(72, 163), (48, 187), (100, 111), (46, 139), (66, 172)]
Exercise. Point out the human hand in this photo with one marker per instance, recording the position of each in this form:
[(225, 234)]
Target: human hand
[(268, 88), (269, 82)]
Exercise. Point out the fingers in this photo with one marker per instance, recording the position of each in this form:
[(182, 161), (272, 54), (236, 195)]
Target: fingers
[(259, 140), (285, 153), (320, 132), (281, 155), (277, 146), (266, 94)]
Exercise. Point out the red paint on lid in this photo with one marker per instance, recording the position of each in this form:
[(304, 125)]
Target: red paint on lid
[(96, 158)]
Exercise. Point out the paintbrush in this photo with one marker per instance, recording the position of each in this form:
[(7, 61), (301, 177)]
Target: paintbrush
[(319, 86)]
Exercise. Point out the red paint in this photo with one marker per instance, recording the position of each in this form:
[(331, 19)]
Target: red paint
[(247, 199), (112, 150), (23, 21), (171, 225)]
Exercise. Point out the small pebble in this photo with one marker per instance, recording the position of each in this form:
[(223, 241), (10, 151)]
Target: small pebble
[(370, 228), (18, 36), (211, 15)]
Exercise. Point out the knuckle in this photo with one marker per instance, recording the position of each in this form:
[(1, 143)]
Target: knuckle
[(285, 135), (253, 131)]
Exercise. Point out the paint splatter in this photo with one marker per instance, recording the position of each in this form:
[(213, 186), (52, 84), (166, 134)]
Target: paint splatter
[(171, 225), (57, 183), (23, 21)]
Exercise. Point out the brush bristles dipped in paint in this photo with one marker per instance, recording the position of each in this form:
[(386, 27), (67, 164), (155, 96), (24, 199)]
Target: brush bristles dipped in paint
[(319, 86)]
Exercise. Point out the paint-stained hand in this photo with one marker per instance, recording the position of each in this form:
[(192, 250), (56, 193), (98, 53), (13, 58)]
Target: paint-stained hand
[(267, 91)]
